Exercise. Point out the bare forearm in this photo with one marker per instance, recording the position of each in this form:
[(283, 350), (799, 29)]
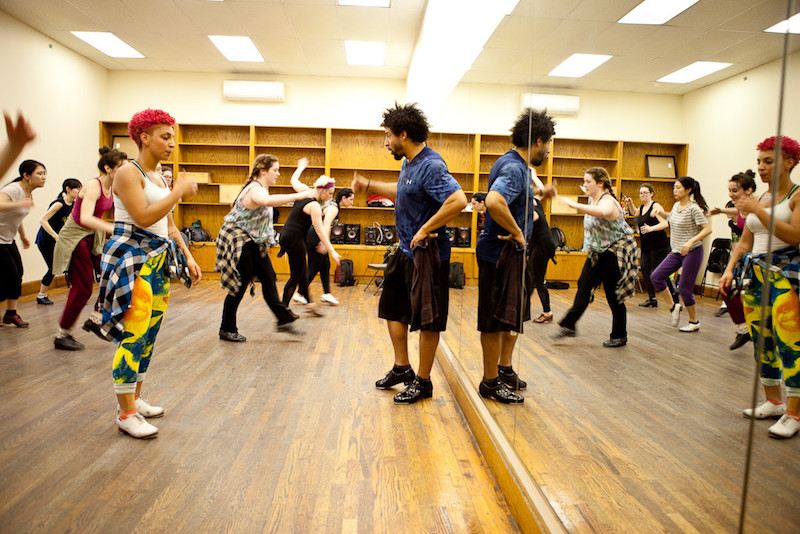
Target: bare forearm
[(449, 211), (386, 189)]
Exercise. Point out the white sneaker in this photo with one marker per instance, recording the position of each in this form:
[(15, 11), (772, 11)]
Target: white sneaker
[(300, 299), (136, 427), (676, 314), (765, 410), (145, 410), (691, 327), (330, 299), (785, 428)]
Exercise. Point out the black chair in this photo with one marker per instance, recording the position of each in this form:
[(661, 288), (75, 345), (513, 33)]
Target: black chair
[(717, 260)]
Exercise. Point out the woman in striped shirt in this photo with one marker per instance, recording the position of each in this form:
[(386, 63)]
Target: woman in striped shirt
[(688, 227)]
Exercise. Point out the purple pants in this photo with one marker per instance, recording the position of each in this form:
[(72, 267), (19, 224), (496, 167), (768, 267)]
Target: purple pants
[(674, 261)]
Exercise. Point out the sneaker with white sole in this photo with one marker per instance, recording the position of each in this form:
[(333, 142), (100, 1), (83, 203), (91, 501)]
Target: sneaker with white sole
[(676, 313), (329, 299), (786, 427), (765, 410), (136, 427), (691, 327), (145, 410), (300, 299)]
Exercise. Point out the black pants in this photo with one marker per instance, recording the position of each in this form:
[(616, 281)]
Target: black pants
[(649, 261), (607, 272), (319, 263), (298, 272), (251, 264), (538, 269), (10, 272), (46, 247)]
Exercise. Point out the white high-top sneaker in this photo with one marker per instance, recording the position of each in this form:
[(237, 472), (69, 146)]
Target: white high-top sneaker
[(136, 427)]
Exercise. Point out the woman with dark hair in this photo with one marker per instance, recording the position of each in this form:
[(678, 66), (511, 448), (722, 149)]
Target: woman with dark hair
[(134, 289), (243, 243), (654, 246), (543, 249), (318, 260), (80, 245), (740, 185), (688, 227), (612, 256), (777, 324), (51, 223), (305, 214), (16, 201)]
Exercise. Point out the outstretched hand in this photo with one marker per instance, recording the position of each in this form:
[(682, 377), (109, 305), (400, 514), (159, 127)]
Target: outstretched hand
[(359, 183), (19, 133)]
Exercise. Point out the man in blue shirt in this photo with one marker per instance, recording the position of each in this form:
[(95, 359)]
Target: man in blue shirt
[(426, 198), (509, 222)]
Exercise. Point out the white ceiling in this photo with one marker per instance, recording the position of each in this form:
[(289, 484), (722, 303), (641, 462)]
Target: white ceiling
[(306, 37)]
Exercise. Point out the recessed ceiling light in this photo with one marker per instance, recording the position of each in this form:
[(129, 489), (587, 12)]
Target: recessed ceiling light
[(790, 25), (578, 65), (693, 72), (237, 48), (656, 11), (371, 53), (366, 3), (109, 44)]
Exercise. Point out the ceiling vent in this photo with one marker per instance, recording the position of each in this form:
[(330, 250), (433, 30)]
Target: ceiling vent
[(555, 104)]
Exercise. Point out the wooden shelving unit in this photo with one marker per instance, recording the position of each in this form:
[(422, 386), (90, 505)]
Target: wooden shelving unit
[(226, 152)]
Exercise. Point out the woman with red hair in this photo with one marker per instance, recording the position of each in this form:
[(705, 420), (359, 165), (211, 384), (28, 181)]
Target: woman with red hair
[(771, 263), (134, 287)]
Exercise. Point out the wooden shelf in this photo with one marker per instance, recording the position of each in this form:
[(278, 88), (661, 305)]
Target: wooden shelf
[(226, 152)]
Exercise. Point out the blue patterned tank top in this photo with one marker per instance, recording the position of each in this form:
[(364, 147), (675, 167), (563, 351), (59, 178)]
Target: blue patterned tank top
[(599, 234), (256, 222)]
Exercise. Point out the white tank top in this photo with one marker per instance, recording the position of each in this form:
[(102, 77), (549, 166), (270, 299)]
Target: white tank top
[(152, 194), (761, 233)]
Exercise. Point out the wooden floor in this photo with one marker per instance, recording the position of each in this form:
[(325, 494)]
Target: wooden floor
[(271, 435), (645, 438)]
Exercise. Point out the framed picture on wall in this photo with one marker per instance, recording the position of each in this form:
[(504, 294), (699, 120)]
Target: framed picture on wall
[(661, 167)]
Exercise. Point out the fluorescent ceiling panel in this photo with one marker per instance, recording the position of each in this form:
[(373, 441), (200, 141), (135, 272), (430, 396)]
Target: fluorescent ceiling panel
[(370, 53), (578, 65), (109, 44), (790, 25), (453, 34), (237, 48), (656, 11), (693, 72), (365, 3)]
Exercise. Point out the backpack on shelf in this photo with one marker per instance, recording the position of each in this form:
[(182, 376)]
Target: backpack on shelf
[(196, 233)]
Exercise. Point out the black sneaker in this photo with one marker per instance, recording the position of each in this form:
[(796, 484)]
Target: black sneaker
[(67, 343), (234, 337), (511, 379), (289, 328), (649, 303), (565, 332), (94, 328), (418, 389), (405, 375), (499, 392), (720, 312), (44, 301), (616, 342)]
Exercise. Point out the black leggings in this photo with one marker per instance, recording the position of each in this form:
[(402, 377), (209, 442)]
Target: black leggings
[(319, 263), (606, 271), (649, 261), (251, 264), (46, 248), (538, 270), (298, 272)]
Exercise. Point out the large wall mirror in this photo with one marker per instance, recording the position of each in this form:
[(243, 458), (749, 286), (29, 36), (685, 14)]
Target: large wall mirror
[(650, 436)]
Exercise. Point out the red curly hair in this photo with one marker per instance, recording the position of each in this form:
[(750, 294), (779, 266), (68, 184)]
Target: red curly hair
[(144, 121), (789, 147)]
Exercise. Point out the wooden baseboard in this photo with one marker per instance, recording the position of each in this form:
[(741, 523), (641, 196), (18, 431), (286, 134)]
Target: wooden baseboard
[(527, 502), (32, 288)]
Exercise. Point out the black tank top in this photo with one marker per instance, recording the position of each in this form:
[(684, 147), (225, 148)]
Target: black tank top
[(652, 240), (296, 226)]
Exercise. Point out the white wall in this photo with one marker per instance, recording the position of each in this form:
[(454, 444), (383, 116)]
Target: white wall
[(725, 121), (63, 95), (358, 103)]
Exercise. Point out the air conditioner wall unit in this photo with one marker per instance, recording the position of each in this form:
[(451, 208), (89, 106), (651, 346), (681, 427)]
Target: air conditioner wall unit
[(253, 90), (555, 104)]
